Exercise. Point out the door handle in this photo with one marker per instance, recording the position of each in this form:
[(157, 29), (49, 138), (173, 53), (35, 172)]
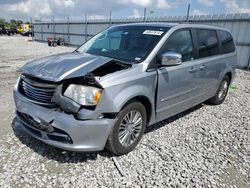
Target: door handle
[(192, 70), (202, 67)]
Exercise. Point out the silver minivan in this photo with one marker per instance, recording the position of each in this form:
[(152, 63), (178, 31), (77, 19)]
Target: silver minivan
[(128, 77)]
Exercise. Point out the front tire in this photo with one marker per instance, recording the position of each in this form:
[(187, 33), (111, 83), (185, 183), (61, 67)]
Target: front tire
[(128, 129), (221, 92)]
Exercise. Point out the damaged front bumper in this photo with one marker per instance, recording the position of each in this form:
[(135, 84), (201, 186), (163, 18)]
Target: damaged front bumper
[(62, 130)]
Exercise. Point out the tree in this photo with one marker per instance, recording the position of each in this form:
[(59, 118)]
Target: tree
[(19, 22), (13, 23), (2, 21), (7, 25)]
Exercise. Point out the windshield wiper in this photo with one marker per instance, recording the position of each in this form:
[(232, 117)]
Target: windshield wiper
[(121, 61), (77, 51)]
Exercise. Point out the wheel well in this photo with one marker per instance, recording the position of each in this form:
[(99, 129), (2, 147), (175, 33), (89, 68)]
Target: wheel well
[(147, 104), (229, 74)]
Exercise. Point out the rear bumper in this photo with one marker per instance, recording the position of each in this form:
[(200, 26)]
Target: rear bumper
[(68, 133)]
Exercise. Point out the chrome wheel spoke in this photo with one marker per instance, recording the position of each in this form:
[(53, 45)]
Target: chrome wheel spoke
[(133, 136), (123, 126), (225, 85), (127, 139), (137, 129), (138, 121), (130, 116), (126, 119), (124, 138), (121, 134), (135, 116), (220, 94)]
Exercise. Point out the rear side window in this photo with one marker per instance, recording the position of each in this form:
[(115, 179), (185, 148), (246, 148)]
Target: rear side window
[(180, 42), (227, 43), (207, 42)]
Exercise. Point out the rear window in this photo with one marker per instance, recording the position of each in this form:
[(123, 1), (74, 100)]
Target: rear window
[(227, 43), (207, 42)]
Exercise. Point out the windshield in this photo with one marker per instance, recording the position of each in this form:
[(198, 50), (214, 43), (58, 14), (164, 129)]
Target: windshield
[(126, 43)]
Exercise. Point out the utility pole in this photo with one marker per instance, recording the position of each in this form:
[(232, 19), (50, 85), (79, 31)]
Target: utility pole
[(54, 27), (188, 12), (31, 24), (42, 27), (68, 29), (144, 15), (110, 18), (86, 27)]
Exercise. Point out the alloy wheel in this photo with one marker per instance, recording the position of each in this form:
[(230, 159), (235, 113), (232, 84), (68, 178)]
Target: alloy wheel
[(130, 128), (223, 90)]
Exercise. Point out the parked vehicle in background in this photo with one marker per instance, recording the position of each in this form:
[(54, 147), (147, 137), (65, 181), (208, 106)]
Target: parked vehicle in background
[(55, 41), (124, 79), (5, 31), (15, 31), (12, 31), (28, 33), (23, 28)]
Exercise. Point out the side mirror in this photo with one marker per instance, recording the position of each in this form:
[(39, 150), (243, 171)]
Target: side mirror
[(171, 58)]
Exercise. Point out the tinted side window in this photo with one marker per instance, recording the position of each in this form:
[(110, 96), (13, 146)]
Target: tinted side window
[(227, 43), (180, 42), (207, 43)]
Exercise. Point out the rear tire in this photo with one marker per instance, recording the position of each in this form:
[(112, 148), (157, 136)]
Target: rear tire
[(221, 92), (128, 129)]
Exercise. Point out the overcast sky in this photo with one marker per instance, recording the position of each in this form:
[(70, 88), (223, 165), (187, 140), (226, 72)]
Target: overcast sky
[(76, 9)]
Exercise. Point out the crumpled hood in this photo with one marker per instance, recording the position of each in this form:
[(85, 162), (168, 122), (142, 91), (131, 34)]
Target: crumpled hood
[(63, 66)]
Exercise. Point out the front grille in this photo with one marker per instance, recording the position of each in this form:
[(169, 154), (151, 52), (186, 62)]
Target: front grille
[(38, 92)]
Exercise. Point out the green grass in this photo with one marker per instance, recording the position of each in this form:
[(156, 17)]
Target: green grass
[(232, 88)]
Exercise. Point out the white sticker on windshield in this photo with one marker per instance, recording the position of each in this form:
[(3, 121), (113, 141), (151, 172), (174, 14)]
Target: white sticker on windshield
[(152, 32)]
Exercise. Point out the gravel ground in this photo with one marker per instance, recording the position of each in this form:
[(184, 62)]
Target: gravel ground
[(206, 146)]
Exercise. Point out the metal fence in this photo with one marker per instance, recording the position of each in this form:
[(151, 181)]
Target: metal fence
[(77, 32)]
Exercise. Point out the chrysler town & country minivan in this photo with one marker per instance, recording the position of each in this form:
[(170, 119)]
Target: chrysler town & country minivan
[(128, 77)]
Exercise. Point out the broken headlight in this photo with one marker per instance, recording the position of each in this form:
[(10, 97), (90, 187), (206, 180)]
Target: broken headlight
[(84, 95)]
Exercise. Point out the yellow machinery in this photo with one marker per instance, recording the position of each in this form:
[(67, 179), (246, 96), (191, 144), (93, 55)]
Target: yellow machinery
[(23, 28)]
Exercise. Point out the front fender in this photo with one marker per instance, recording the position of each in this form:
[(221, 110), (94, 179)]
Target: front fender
[(115, 96), (131, 92)]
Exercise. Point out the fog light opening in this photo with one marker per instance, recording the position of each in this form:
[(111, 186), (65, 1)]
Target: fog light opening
[(100, 116)]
